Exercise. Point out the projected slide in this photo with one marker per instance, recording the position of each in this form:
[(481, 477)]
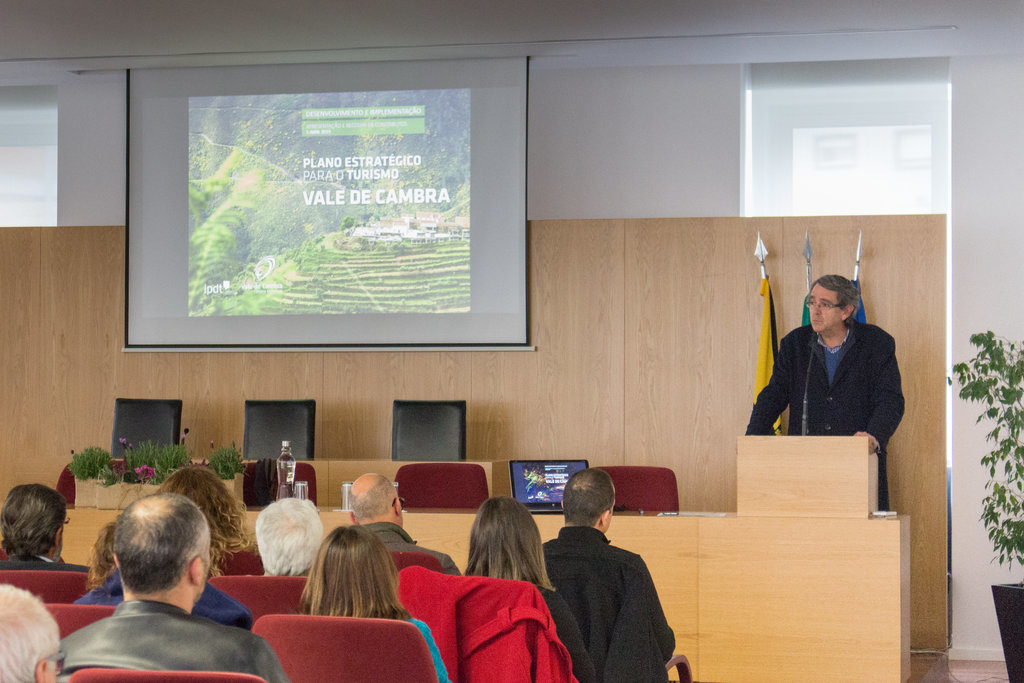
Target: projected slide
[(329, 203)]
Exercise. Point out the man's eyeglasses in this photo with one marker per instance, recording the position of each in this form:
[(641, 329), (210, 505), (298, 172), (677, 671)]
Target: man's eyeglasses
[(812, 303), (57, 659)]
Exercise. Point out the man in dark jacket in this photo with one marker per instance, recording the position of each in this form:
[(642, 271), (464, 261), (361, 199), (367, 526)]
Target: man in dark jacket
[(608, 589), (846, 370), (32, 524)]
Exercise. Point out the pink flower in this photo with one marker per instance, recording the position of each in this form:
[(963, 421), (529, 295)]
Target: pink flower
[(144, 473)]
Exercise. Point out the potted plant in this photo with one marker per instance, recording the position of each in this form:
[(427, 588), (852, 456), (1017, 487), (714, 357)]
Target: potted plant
[(112, 484), (86, 467), (994, 378), (227, 463)]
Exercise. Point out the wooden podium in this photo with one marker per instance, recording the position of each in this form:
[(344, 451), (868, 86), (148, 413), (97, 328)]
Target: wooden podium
[(806, 476), (802, 584)]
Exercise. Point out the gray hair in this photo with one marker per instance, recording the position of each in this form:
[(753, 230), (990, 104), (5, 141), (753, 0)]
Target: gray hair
[(847, 293), (28, 633), (156, 539), (288, 533), (375, 501)]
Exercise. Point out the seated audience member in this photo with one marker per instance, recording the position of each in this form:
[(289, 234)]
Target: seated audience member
[(288, 533), (29, 638), (104, 584), (32, 525), (609, 589), (505, 544), (101, 557), (354, 576), (229, 530), (162, 546), (375, 505)]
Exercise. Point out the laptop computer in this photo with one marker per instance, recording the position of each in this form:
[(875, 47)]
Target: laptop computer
[(539, 484)]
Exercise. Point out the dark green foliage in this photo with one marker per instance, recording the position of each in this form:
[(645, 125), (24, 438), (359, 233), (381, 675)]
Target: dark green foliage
[(994, 378), (226, 461), (89, 463)]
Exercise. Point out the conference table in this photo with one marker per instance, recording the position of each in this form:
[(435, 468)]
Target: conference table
[(749, 598)]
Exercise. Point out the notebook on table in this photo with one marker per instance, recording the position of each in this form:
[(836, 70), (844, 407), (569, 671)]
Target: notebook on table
[(539, 484)]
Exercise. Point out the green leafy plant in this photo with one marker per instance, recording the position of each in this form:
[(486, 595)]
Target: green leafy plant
[(169, 459), (994, 378), (89, 463), (226, 461)]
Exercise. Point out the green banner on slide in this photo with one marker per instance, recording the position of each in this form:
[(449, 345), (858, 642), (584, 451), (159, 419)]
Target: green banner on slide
[(386, 126)]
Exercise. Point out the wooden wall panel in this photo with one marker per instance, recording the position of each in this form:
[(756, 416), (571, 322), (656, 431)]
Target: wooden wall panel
[(645, 334)]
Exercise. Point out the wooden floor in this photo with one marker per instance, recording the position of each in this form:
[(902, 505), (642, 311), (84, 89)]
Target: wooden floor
[(936, 668)]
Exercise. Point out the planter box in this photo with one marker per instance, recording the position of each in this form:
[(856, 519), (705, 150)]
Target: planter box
[(85, 493), (1009, 603), (120, 496)]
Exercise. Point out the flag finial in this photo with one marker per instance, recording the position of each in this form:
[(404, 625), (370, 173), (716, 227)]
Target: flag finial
[(856, 267), (760, 253), (808, 253)]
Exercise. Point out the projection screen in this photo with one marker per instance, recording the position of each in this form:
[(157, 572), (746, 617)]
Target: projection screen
[(327, 205)]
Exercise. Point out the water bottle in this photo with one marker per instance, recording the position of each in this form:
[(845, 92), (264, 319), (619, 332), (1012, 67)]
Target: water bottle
[(285, 471)]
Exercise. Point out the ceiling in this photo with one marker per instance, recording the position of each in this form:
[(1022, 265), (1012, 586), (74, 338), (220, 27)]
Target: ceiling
[(116, 34)]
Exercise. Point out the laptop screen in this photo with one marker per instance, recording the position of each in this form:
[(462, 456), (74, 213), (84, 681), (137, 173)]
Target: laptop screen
[(538, 484)]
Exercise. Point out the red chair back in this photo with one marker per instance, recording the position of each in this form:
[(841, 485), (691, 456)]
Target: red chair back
[(66, 485), (638, 487), (263, 594), (458, 485), (50, 586), (107, 675), (414, 558), (71, 617), (3, 555), (242, 563), (316, 649)]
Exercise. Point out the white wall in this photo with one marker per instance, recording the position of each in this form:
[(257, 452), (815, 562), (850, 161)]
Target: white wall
[(988, 251), (638, 142), (665, 141)]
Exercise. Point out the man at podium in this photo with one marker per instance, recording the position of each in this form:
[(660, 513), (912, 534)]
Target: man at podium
[(838, 377)]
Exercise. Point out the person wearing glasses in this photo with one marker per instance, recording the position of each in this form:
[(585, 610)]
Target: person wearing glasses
[(29, 638), (32, 525), (838, 377), (376, 505)]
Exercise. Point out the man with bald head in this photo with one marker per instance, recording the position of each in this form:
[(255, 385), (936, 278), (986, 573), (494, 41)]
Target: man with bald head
[(375, 505), (162, 547)]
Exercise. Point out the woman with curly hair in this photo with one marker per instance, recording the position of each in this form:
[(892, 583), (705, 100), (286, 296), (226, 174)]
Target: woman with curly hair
[(229, 530), (354, 575)]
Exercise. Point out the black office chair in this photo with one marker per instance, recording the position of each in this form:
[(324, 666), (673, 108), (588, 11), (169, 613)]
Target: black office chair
[(268, 423), (428, 430), (145, 419)]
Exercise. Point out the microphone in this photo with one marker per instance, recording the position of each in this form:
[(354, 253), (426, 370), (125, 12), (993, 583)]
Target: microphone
[(807, 381)]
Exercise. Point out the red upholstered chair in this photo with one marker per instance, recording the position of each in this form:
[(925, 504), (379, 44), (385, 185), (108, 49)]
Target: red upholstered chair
[(124, 675), (458, 485), (71, 617), (304, 471), (3, 555), (317, 649), (414, 558), (263, 594), (50, 586), (637, 487), (487, 629), (242, 563), (66, 485)]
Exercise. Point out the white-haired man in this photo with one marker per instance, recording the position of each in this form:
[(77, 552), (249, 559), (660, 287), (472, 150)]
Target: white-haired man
[(29, 639), (288, 532)]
